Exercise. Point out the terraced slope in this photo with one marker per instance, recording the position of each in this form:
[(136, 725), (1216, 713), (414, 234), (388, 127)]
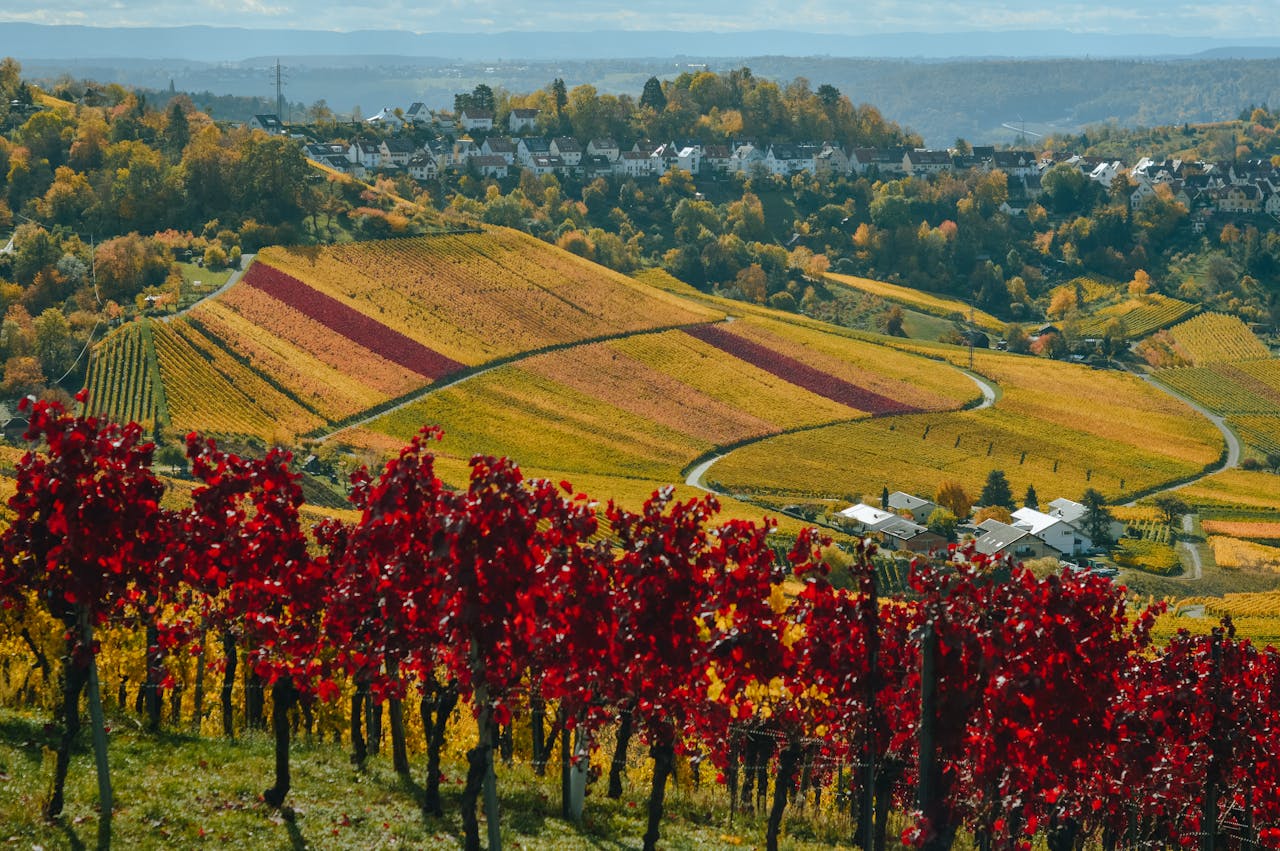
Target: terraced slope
[(311, 337)]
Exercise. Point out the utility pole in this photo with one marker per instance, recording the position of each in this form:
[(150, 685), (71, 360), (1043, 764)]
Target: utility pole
[(279, 91)]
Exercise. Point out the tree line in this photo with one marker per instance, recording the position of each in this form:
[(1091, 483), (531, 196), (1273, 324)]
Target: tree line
[(985, 700)]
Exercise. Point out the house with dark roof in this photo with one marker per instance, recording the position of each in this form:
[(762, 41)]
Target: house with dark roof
[(917, 507), (417, 114), (472, 119), (267, 123), (522, 120), (919, 162), (1001, 540)]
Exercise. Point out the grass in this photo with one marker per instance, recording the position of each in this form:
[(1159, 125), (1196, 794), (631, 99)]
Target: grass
[(181, 791)]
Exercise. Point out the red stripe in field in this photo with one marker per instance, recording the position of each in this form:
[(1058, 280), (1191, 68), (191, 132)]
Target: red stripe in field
[(799, 373), (350, 323)]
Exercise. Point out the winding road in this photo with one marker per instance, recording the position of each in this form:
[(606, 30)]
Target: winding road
[(694, 478), (1233, 443)]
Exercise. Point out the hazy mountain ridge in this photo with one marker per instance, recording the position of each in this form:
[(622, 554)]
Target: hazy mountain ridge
[(222, 44)]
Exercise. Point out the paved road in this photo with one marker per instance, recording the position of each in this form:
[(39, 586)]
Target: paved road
[(232, 279), (694, 479), (1233, 443), (695, 476)]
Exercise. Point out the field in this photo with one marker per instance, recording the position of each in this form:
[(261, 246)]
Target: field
[(1216, 338), (934, 305), (120, 381), (646, 406), (1129, 437), (311, 338), (1235, 553), (1138, 316), (480, 297), (1249, 490)]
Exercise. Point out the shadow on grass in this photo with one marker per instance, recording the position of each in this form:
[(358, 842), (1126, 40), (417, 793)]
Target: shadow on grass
[(30, 736), (296, 840), (73, 839)]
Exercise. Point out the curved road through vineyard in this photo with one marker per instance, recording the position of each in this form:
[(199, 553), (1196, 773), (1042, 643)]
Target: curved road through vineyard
[(695, 475)]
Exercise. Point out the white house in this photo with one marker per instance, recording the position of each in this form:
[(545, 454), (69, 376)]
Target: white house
[(920, 162), (528, 147), (417, 114), (786, 160), (475, 119), (866, 518), (489, 165), (520, 120), (497, 146), (745, 157), (716, 159), (423, 166), (918, 508), (545, 164), (1054, 531), (568, 149), (396, 151), (385, 117), (1073, 512), (633, 164), (267, 123), (605, 147), (367, 154), (1000, 540), (831, 161)]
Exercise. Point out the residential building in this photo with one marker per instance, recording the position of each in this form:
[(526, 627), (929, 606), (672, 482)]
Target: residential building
[(918, 508), (472, 120), (267, 123), (522, 120)]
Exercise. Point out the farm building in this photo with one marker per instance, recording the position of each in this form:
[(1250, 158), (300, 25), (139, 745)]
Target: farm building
[(917, 507), (1000, 540)]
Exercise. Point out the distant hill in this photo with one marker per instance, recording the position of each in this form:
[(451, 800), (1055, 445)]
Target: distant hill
[(221, 44), (968, 96)]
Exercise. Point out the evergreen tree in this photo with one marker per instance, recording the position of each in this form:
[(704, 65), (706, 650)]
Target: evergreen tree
[(884, 498), (653, 96), (996, 491), (1097, 520), (1031, 500), (559, 94)]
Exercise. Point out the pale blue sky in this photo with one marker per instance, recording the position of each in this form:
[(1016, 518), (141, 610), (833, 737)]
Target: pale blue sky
[(1230, 19)]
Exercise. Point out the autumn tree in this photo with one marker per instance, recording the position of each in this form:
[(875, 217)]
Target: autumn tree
[(87, 539), (952, 496)]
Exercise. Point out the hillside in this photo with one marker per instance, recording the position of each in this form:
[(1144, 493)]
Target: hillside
[(312, 336), (622, 385)]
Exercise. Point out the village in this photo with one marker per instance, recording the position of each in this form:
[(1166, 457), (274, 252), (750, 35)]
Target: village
[(476, 141), (903, 523)]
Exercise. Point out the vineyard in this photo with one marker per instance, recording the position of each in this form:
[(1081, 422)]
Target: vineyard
[(934, 305), (1217, 338), (1258, 530), (206, 389), (1234, 491), (1129, 437), (1235, 553), (645, 406), (1138, 316), (534, 613), (478, 297), (121, 378)]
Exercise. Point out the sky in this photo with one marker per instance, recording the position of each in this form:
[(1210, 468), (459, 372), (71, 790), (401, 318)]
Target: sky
[(1229, 19)]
